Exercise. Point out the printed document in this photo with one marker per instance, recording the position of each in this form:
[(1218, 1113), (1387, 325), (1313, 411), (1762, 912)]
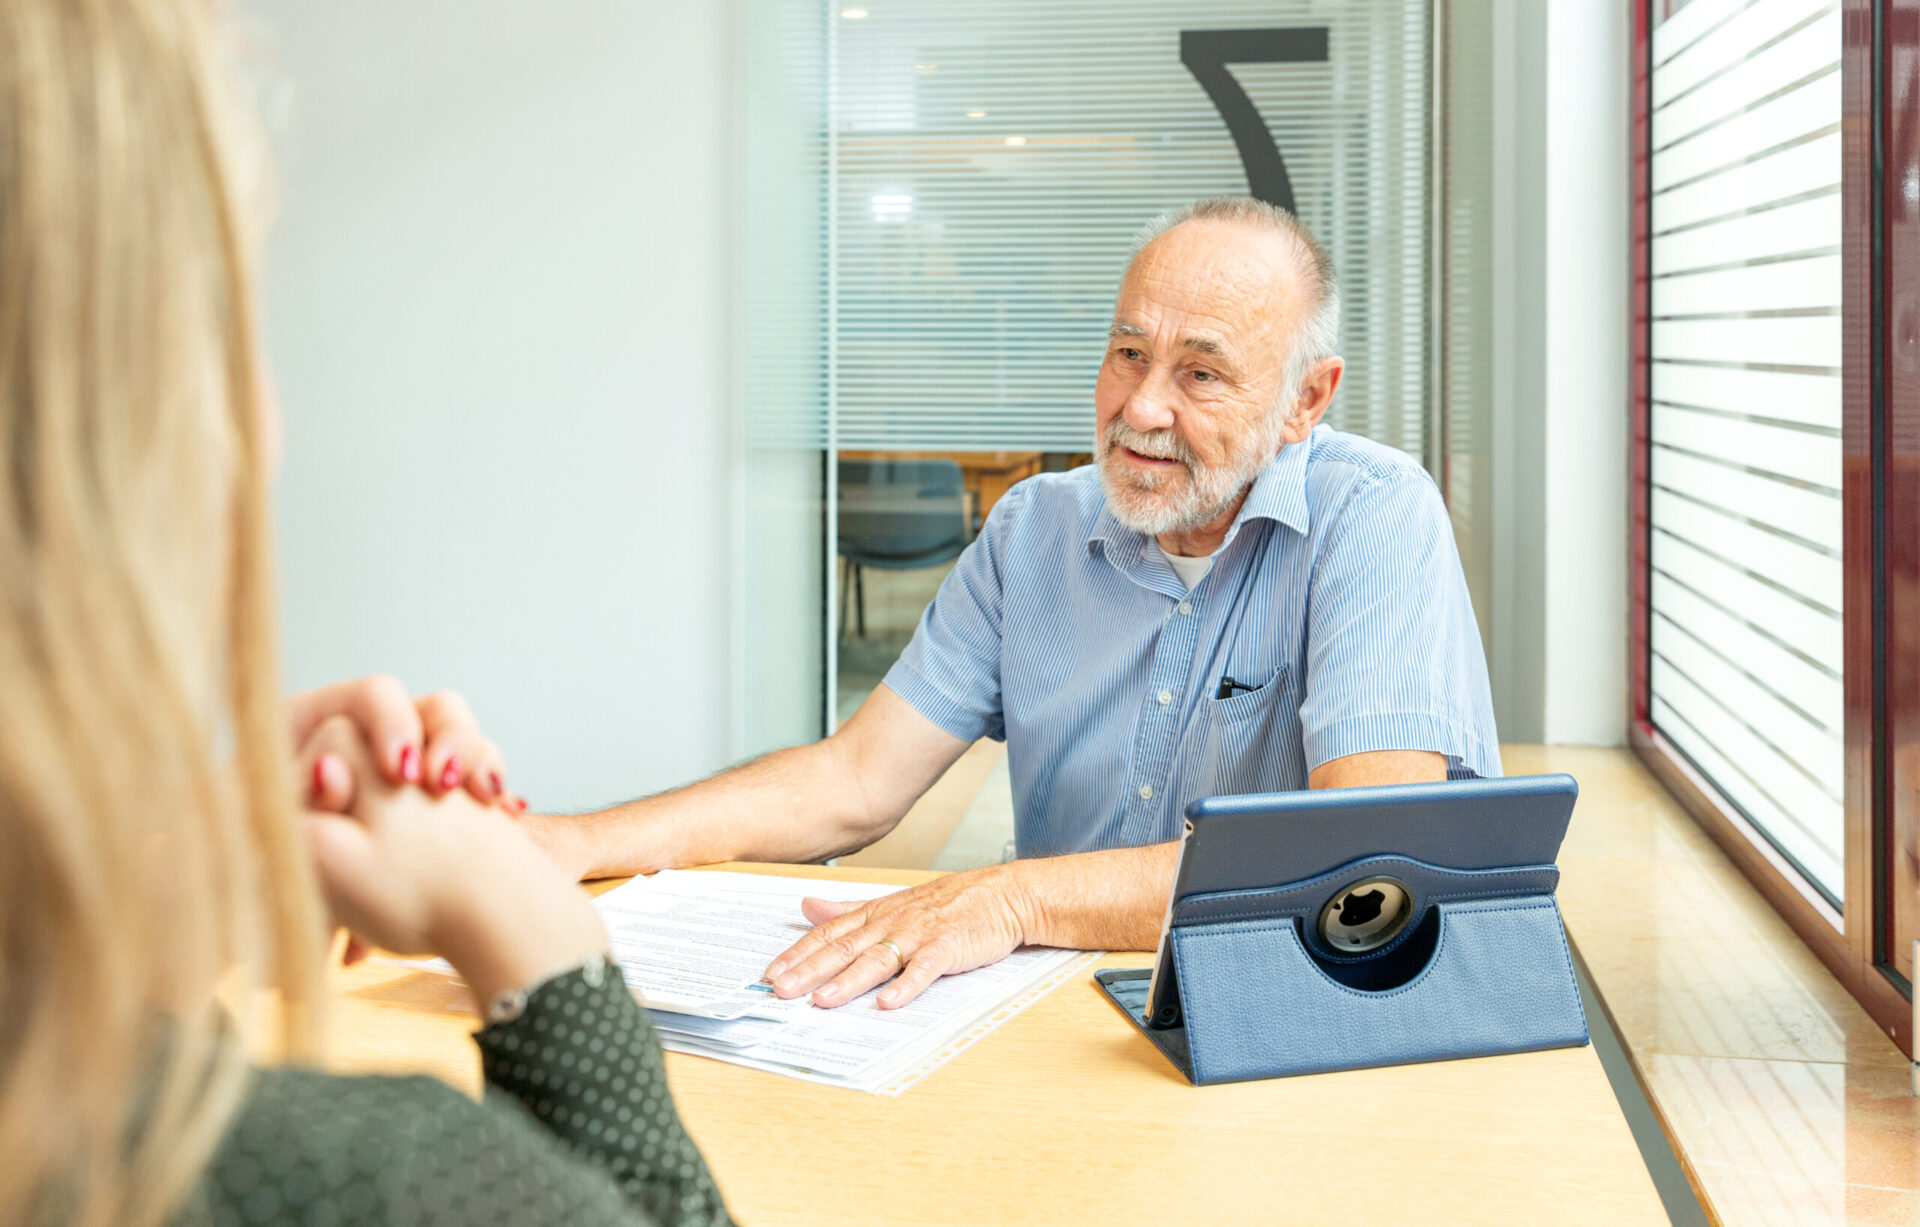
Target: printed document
[(693, 946)]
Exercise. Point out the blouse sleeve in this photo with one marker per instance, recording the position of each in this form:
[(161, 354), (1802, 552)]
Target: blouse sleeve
[(583, 1060), (577, 1128)]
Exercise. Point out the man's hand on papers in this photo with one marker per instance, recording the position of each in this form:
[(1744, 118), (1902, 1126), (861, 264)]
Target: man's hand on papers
[(951, 924)]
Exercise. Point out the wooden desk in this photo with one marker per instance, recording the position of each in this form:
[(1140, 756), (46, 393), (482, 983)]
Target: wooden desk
[(1067, 1115), (986, 475)]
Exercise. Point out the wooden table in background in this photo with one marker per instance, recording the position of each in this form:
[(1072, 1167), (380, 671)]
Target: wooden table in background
[(1067, 1115), (987, 475)]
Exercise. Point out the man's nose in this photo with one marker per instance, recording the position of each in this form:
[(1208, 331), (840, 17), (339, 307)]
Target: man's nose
[(1150, 405)]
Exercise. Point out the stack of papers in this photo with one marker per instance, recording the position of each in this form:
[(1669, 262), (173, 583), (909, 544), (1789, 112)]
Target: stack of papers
[(693, 946)]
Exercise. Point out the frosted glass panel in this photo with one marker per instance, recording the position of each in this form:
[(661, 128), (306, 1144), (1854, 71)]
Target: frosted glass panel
[(784, 570), (990, 162), (1745, 419)]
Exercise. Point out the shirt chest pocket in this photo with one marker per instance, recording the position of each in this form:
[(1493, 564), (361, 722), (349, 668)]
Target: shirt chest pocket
[(1248, 742)]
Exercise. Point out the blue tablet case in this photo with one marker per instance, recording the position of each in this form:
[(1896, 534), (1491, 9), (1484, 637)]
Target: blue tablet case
[(1481, 968)]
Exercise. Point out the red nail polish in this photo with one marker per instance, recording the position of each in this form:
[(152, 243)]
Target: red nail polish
[(493, 777), (450, 775), (319, 780), (409, 767), (519, 805)]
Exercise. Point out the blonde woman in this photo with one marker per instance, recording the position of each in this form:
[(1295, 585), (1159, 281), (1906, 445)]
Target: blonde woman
[(144, 885)]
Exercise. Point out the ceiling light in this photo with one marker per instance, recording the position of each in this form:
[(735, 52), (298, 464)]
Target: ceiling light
[(1016, 140), (976, 114), (853, 14)]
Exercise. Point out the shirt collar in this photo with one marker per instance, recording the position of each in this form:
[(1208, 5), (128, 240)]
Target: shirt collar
[(1279, 494)]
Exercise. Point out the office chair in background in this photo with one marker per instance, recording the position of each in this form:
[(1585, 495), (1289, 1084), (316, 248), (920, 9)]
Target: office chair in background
[(896, 515)]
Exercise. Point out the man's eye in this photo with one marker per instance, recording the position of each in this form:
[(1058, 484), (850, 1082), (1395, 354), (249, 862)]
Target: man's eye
[(1205, 376), (1131, 355)]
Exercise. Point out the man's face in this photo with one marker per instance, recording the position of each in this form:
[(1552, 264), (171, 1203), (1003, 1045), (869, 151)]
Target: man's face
[(1185, 402)]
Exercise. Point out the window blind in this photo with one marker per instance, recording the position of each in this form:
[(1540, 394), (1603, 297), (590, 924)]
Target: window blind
[(989, 163), (1745, 591)]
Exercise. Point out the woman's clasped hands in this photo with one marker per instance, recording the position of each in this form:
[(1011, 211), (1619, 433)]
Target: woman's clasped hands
[(415, 841)]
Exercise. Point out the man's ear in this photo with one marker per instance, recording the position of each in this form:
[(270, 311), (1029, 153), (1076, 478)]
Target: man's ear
[(1316, 393)]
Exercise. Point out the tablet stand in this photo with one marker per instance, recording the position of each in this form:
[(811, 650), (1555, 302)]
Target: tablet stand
[(1482, 968)]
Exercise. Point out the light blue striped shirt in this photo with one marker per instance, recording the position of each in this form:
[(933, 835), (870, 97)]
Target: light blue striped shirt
[(1337, 592)]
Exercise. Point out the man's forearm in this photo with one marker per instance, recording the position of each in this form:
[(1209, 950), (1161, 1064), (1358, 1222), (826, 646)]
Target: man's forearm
[(796, 806), (1115, 900), (793, 806)]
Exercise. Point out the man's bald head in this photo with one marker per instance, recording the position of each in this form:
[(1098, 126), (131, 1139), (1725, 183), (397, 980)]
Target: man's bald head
[(1316, 333)]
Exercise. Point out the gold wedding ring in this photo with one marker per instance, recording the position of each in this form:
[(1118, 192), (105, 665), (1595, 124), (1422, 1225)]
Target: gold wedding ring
[(888, 943)]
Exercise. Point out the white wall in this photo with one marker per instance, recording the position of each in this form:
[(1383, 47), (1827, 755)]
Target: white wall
[(1586, 373), (1560, 357), (498, 309)]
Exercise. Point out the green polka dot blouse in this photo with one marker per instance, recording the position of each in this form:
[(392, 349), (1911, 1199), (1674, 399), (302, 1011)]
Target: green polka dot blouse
[(576, 1127)]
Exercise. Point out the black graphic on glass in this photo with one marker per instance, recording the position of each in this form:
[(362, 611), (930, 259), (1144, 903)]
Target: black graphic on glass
[(1206, 53)]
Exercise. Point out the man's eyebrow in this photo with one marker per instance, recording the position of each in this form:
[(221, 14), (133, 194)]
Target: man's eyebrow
[(1198, 344)]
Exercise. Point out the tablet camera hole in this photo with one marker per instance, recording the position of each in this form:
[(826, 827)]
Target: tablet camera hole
[(1365, 915), (1358, 909)]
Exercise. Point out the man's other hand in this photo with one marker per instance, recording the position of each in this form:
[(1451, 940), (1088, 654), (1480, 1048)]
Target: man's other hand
[(951, 924)]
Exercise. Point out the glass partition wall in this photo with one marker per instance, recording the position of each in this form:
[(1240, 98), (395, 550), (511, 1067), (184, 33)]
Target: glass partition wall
[(901, 519), (780, 687), (941, 203)]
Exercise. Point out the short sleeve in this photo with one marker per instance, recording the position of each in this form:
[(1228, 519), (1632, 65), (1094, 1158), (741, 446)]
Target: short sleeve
[(1394, 660), (950, 672)]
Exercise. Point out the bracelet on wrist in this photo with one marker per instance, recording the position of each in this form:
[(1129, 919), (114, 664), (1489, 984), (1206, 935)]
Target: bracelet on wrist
[(511, 1004)]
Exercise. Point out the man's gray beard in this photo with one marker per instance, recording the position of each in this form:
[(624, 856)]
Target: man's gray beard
[(1209, 490)]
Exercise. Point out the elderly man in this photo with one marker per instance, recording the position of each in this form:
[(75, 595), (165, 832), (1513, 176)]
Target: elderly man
[(1234, 600)]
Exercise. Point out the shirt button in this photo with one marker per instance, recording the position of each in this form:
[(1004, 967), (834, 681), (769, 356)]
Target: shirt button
[(1165, 697), (1146, 792), (1186, 607)]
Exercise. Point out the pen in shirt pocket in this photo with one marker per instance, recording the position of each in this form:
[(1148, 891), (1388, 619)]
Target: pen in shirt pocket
[(1228, 686)]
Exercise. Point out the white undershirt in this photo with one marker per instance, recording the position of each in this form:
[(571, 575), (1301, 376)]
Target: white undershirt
[(1190, 570)]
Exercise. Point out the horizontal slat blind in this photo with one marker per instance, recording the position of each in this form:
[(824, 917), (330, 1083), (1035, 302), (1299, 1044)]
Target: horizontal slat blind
[(990, 162), (784, 364), (1745, 418)]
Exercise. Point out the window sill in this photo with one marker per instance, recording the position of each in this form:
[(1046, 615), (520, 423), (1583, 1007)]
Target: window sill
[(1782, 1098)]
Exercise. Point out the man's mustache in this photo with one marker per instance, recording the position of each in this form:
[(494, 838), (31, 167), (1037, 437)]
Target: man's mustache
[(1159, 444)]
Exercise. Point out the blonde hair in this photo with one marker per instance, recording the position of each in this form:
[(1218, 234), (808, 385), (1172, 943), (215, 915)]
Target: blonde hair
[(136, 636)]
